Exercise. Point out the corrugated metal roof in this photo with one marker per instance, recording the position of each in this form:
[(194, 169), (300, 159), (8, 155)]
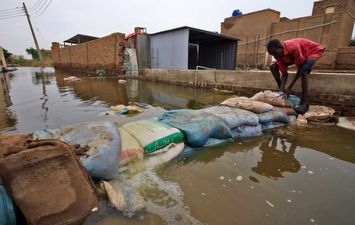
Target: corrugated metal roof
[(216, 35), (80, 38)]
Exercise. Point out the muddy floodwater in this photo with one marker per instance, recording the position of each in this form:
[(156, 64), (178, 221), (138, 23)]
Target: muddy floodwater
[(292, 175)]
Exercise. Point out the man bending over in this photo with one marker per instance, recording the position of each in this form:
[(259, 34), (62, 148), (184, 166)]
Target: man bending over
[(299, 51)]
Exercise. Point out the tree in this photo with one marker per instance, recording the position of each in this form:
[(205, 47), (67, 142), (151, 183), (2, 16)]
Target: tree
[(33, 52), (19, 60), (352, 42), (7, 54)]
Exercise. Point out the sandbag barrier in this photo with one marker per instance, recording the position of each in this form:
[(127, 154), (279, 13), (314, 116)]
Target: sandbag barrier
[(106, 149)]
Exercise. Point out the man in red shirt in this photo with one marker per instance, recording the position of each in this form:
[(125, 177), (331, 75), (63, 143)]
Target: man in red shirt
[(299, 51)]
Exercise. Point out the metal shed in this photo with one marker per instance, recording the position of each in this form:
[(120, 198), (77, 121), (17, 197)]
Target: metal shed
[(188, 47)]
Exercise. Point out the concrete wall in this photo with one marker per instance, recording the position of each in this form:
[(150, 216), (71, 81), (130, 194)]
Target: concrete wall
[(104, 53), (321, 85)]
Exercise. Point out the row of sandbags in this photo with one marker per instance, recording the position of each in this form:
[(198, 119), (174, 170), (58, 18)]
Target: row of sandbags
[(145, 141), (104, 147)]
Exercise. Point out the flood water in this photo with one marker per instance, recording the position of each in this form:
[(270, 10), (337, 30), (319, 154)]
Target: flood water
[(293, 175)]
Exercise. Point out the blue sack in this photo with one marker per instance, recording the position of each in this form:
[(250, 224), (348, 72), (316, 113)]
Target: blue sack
[(102, 139), (247, 131), (7, 209), (293, 100), (197, 126), (233, 117), (275, 115), (272, 125)]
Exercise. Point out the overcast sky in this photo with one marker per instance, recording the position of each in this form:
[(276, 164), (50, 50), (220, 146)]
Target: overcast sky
[(65, 18)]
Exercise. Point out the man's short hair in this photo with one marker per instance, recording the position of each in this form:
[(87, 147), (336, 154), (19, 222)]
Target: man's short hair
[(274, 44)]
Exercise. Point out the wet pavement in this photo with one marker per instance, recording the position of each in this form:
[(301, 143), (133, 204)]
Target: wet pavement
[(293, 175)]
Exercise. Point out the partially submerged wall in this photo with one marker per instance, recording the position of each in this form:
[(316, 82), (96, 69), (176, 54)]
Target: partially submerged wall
[(332, 89), (104, 53)]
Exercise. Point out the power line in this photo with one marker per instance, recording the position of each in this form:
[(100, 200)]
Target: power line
[(11, 13), (39, 8), (10, 17), (44, 9), (4, 10), (38, 3)]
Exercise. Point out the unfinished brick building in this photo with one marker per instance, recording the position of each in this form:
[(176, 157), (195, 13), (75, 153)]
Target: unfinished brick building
[(89, 54), (330, 24)]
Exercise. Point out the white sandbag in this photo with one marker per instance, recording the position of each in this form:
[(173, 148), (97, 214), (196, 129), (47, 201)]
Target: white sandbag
[(271, 97), (247, 104), (319, 112), (131, 149), (153, 135), (167, 154), (233, 117), (347, 122), (123, 197)]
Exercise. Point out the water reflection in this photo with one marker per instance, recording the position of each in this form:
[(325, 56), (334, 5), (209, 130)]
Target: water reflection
[(7, 118), (274, 162)]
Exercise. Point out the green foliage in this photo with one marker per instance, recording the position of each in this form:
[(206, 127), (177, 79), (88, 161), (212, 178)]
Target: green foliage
[(19, 60), (33, 52), (352, 42), (7, 54)]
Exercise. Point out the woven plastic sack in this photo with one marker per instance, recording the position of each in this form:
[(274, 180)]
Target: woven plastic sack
[(274, 115), (197, 126), (247, 131), (100, 137), (153, 135), (247, 104), (273, 98), (233, 117), (131, 149), (318, 112)]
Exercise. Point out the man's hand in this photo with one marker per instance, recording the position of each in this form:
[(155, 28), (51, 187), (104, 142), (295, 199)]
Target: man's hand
[(283, 81)]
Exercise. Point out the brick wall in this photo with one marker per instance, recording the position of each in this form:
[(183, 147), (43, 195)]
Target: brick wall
[(346, 58), (332, 30), (104, 53), (319, 7)]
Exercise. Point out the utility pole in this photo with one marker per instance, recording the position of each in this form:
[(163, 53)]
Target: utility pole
[(33, 33)]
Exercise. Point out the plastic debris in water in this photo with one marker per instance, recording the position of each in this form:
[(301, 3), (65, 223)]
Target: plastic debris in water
[(289, 200), (310, 172), (312, 220), (239, 178), (270, 204), (221, 177)]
